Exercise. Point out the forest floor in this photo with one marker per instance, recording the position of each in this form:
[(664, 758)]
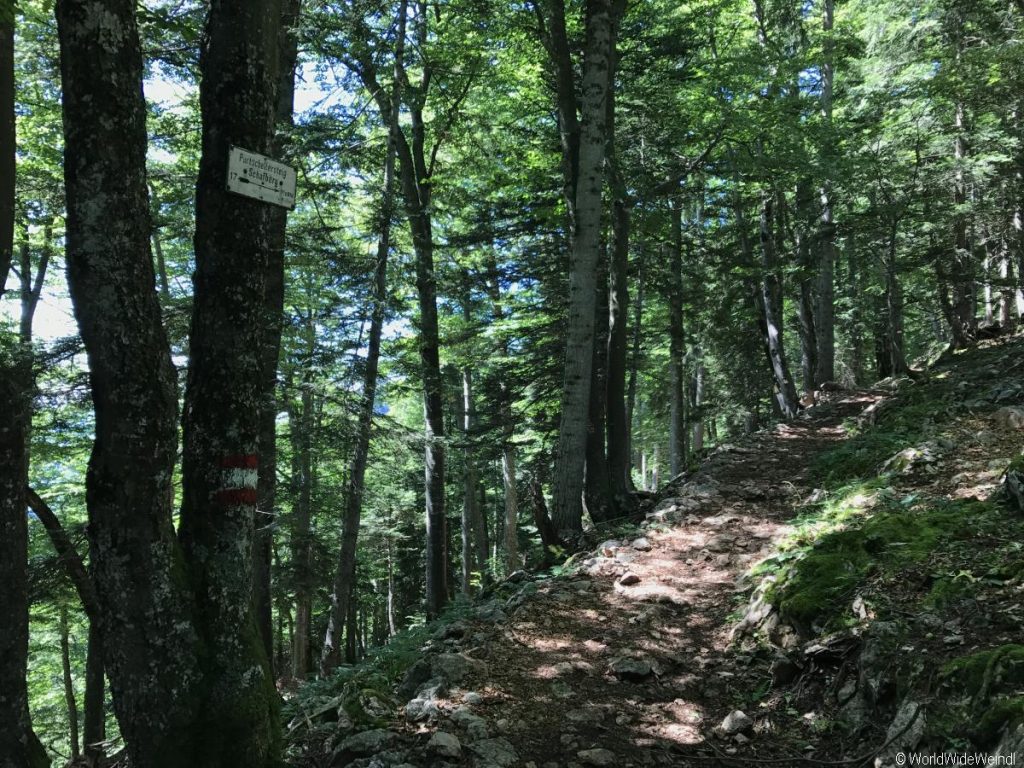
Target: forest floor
[(783, 604)]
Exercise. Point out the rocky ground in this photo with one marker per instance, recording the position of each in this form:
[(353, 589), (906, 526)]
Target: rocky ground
[(828, 592)]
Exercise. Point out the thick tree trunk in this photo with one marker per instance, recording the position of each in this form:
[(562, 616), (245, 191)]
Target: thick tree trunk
[(677, 438), (266, 484), (238, 723), (471, 484), (771, 306), (567, 493), (142, 587), (344, 574)]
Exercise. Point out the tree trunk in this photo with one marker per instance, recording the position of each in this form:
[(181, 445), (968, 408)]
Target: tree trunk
[(825, 312), (238, 721), (18, 744), (600, 500), (94, 731), (266, 484), (677, 440), (302, 560), (69, 686), (771, 306), (471, 485), (567, 492), (634, 356), (142, 588), (698, 401), (344, 574), (618, 448), (808, 273)]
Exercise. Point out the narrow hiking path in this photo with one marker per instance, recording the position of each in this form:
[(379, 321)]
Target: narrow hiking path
[(628, 661), (883, 614)]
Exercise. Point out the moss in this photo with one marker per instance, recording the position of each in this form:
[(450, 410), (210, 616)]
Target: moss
[(990, 682), (947, 591), (816, 589)]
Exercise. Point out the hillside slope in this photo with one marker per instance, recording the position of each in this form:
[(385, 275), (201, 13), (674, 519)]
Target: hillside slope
[(834, 590)]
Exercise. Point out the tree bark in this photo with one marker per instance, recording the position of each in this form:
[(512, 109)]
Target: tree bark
[(142, 587), (634, 356), (238, 721), (567, 493), (94, 731), (807, 311)]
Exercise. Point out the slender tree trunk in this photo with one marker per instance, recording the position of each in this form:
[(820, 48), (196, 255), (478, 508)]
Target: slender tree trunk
[(238, 722), (677, 439), (344, 574), (471, 480), (19, 747), (69, 687), (698, 401), (302, 561), (771, 305), (825, 306), (266, 484), (618, 448), (508, 448), (94, 731), (600, 500), (567, 493), (808, 277), (634, 357)]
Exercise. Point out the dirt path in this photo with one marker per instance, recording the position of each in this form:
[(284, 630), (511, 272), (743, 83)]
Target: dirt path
[(631, 654)]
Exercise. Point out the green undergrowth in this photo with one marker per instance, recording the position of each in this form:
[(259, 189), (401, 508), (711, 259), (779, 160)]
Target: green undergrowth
[(863, 537), (981, 692)]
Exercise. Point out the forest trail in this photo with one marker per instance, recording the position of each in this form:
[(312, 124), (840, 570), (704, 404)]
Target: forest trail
[(880, 526), (627, 660), (630, 654)]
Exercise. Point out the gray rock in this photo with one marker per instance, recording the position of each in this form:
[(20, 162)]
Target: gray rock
[(453, 668), (445, 744), (1010, 417), (641, 545), (491, 613), (629, 668), (625, 557), (597, 757), (1010, 745), (905, 732), (415, 676), (474, 725), (472, 697), (629, 579), (418, 710), (494, 753), (735, 722), (367, 742)]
